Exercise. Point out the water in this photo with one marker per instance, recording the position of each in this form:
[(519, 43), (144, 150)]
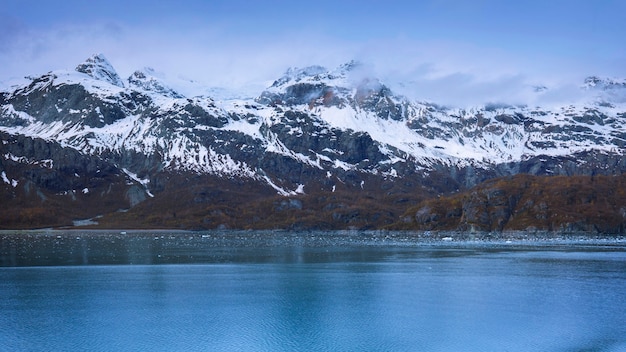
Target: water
[(317, 292)]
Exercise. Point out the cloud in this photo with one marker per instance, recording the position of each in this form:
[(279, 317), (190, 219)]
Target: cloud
[(444, 72), (206, 54), (462, 74)]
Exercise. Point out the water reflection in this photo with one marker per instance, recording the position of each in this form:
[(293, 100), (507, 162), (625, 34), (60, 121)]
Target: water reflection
[(144, 248), (433, 304), (166, 248), (278, 293)]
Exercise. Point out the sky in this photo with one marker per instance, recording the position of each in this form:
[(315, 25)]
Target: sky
[(440, 50)]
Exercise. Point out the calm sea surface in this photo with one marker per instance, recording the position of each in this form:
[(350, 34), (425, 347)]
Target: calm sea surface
[(308, 292)]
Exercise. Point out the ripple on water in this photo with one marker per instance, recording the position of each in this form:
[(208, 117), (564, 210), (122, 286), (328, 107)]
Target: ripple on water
[(301, 297)]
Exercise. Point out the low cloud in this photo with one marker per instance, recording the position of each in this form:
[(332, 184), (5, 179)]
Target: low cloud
[(442, 72)]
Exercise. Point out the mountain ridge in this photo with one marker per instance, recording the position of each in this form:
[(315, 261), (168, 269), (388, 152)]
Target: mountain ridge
[(312, 133)]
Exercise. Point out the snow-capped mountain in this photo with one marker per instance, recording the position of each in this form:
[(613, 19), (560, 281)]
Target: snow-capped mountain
[(99, 68), (313, 129)]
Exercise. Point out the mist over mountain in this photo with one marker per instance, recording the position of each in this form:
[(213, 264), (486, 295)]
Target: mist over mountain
[(318, 148)]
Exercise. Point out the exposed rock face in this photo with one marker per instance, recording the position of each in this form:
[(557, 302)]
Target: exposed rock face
[(98, 67), (64, 103), (145, 80), (45, 184), (567, 204)]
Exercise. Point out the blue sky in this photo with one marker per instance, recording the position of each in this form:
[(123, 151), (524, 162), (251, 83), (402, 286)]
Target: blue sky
[(477, 47)]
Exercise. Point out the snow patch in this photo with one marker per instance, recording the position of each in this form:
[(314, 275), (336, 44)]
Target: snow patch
[(46, 163), (245, 127), (282, 191), (143, 182), (338, 164), (6, 180)]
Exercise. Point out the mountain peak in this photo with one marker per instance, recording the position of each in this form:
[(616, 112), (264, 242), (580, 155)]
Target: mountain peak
[(595, 82), (98, 67), (350, 66), (342, 75), (147, 79), (296, 74)]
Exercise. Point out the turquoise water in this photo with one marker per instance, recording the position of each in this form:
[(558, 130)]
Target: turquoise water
[(198, 294)]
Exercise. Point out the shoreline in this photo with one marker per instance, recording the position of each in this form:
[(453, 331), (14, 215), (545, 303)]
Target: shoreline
[(360, 235), (99, 247)]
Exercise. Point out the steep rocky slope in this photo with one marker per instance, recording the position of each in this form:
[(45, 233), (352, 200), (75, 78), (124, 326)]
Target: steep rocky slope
[(531, 203)]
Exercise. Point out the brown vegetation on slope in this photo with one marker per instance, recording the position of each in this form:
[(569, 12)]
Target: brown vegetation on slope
[(525, 202), (208, 202), (187, 201)]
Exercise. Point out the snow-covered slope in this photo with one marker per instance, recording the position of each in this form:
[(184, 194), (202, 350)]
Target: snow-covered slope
[(311, 123), (425, 132), (99, 68)]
